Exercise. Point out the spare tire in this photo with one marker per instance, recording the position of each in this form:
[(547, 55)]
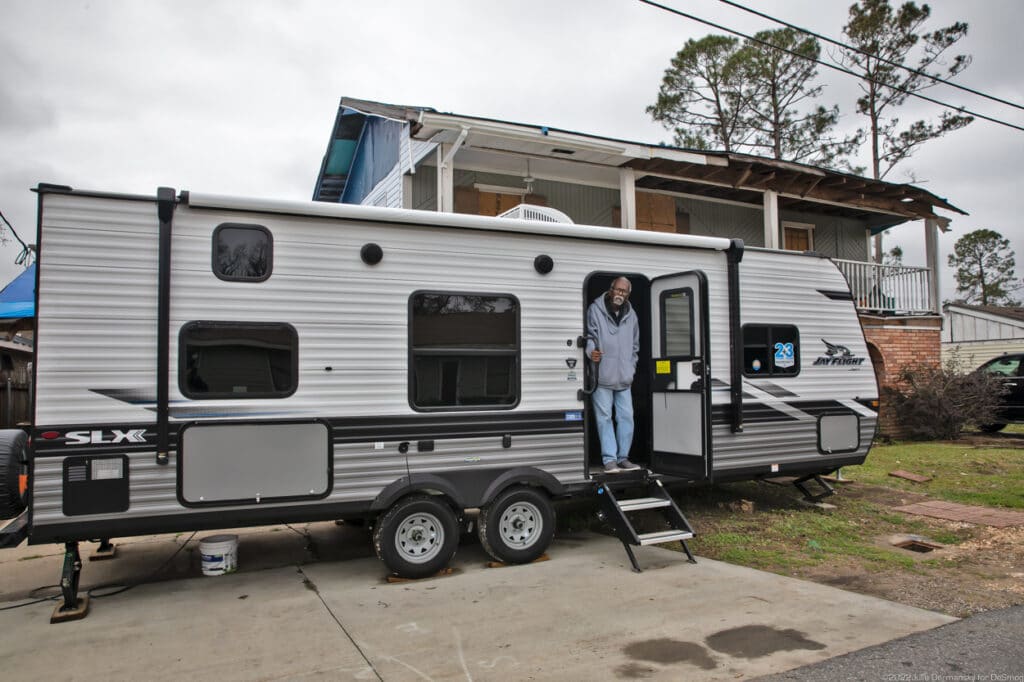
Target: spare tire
[(13, 461)]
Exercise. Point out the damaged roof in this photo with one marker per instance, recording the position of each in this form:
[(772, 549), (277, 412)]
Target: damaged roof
[(711, 174)]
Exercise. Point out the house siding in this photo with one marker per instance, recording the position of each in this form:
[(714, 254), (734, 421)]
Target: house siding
[(963, 327), (388, 192), (834, 236), (970, 340), (585, 204), (968, 355), (714, 219), (424, 189)]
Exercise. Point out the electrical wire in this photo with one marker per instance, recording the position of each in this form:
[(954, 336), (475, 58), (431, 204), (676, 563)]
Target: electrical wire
[(837, 43), (904, 91), (36, 601), (26, 251), (122, 587)]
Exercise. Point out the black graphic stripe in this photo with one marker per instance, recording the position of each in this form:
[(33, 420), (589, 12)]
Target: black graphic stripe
[(759, 412), (773, 390), (424, 427), (344, 430), (753, 413)]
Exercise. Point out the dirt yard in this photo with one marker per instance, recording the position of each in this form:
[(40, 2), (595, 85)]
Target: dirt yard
[(985, 571)]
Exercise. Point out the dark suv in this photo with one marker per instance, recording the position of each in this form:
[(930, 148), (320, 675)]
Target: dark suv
[(1010, 368)]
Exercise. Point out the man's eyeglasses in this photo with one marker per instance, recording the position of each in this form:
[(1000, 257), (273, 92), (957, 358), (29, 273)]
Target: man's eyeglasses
[(624, 292)]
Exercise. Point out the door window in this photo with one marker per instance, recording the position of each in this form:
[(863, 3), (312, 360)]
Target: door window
[(677, 323)]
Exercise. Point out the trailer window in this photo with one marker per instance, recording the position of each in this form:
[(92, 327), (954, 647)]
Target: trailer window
[(771, 350), (237, 360), (464, 351), (242, 253)]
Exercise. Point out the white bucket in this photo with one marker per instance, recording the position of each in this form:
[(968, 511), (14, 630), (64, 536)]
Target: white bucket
[(219, 554)]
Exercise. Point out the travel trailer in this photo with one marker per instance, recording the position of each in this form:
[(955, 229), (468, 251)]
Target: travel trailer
[(208, 362)]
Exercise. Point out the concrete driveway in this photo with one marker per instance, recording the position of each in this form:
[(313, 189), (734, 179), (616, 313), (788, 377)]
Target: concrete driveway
[(581, 615)]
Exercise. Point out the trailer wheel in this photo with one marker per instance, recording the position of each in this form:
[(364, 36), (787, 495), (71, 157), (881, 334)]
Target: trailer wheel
[(12, 461), (517, 526), (417, 537)]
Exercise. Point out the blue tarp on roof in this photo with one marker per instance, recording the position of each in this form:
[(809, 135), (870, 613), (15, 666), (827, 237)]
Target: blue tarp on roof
[(18, 299)]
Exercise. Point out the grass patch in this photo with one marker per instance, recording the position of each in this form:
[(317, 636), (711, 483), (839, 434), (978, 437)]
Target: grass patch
[(783, 536), (992, 477)]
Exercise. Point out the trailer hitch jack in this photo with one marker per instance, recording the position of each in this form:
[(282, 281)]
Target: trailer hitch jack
[(74, 607)]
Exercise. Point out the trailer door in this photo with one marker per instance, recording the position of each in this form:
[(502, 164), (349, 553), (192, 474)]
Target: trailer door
[(680, 377)]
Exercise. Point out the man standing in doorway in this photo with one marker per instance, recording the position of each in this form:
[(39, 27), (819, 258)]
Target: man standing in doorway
[(613, 346)]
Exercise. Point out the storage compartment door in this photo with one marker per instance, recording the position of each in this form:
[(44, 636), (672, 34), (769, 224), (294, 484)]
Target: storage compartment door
[(838, 433), (254, 463)]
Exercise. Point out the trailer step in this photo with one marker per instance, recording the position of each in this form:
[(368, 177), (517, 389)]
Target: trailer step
[(615, 512), (664, 536), (643, 503)]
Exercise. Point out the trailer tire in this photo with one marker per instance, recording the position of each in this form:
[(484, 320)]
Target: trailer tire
[(517, 527), (417, 536), (13, 457)]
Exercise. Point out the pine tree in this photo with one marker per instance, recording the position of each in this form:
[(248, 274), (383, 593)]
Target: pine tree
[(984, 265)]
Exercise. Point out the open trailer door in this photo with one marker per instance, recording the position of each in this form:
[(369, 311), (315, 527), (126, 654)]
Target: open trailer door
[(680, 377)]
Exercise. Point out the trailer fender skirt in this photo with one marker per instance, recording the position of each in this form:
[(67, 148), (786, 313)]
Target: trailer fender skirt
[(415, 484), (537, 478)]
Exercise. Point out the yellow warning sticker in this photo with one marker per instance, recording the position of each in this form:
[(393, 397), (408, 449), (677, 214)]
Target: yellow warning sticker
[(663, 367)]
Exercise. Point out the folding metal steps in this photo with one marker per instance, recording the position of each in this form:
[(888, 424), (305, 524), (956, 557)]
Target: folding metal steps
[(615, 511)]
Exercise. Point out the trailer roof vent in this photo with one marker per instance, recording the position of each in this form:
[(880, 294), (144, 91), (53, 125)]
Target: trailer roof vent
[(544, 214)]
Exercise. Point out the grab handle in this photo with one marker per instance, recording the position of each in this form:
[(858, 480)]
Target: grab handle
[(590, 368)]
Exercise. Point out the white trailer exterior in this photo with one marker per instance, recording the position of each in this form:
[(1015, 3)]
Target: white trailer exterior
[(331, 381)]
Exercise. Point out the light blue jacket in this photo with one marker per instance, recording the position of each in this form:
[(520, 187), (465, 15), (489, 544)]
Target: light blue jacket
[(620, 344)]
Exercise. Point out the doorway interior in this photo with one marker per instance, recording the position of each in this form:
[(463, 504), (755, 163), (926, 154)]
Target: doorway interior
[(596, 284)]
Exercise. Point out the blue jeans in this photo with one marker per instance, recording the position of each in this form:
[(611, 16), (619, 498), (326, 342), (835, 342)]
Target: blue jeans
[(615, 441)]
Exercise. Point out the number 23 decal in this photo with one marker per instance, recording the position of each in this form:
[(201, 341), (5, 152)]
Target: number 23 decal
[(784, 356)]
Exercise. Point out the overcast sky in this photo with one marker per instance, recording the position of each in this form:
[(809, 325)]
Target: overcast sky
[(239, 97)]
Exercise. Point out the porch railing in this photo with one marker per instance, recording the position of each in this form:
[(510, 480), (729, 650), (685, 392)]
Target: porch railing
[(889, 288)]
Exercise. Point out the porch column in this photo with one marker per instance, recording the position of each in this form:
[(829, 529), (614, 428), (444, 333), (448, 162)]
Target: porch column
[(406, 191), (627, 197), (931, 250), (445, 179), (771, 219)]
